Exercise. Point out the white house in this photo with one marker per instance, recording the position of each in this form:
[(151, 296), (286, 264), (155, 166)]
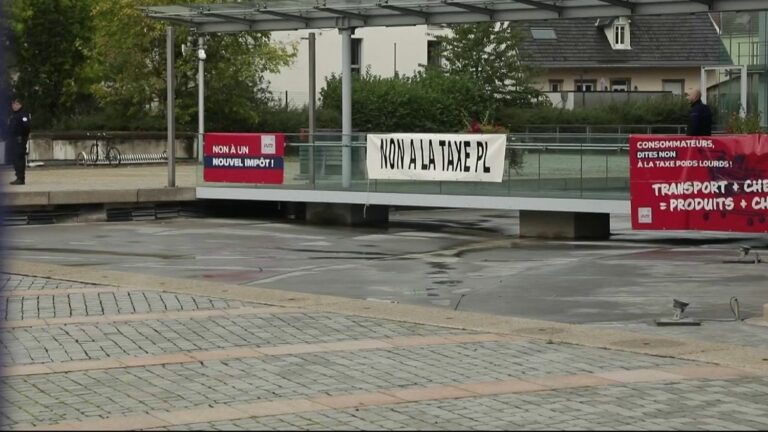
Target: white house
[(385, 50)]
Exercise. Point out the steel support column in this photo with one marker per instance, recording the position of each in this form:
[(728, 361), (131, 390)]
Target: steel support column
[(200, 96), (346, 107), (311, 106), (170, 67)]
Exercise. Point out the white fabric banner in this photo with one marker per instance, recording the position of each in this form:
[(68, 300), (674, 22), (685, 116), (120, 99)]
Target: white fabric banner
[(441, 157)]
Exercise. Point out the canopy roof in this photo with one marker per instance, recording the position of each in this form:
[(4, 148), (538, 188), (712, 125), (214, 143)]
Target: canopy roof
[(316, 14)]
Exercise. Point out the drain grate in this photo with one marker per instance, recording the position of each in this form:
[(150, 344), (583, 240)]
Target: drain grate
[(37, 217), (128, 214), (149, 213)]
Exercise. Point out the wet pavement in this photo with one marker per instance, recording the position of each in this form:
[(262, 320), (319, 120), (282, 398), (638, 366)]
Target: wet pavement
[(449, 259)]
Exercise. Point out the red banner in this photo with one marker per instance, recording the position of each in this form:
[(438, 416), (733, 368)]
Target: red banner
[(243, 158), (717, 183)]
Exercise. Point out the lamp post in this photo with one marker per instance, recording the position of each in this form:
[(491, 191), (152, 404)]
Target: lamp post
[(201, 56)]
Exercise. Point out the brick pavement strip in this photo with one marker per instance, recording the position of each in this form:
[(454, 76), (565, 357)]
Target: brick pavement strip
[(239, 353), (287, 376), (92, 302), (502, 410), (99, 319), (120, 339)]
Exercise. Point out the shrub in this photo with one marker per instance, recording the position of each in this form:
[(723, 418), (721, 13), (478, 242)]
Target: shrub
[(743, 125), (660, 110), (429, 101)]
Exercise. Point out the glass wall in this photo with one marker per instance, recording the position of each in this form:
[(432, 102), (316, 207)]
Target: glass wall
[(745, 38)]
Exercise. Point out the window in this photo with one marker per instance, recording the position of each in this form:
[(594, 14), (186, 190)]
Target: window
[(434, 53), (620, 85), (620, 35), (555, 85), (674, 86), (357, 54), (585, 85), (543, 33)]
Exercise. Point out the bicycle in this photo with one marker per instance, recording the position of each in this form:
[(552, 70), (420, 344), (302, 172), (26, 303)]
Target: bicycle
[(112, 155)]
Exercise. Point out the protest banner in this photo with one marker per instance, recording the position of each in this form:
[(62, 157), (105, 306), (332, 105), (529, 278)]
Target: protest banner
[(436, 157), (244, 158), (717, 183)]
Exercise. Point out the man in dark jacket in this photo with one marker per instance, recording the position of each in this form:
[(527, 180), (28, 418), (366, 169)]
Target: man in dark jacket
[(18, 135), (699, 117)]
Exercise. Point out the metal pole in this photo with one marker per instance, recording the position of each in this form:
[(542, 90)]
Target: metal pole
[(395, 59), (346, 107), (743, 109), (703, 84), (200, 96), (170, 104), (311, 107)]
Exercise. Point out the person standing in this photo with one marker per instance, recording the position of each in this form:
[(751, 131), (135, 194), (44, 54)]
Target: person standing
[(18, 135), (699, 117)]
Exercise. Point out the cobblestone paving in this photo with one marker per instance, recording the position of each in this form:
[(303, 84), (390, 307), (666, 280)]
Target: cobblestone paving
[(302, 376), (88, 395), (701, 405), (84, 342), (9, 282), (107, 303)]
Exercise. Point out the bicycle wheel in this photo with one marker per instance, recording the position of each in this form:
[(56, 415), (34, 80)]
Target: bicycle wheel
[(81, 159), (113, 156), (94, 154)]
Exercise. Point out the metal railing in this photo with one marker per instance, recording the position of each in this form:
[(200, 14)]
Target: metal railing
[(751, 53), (536, 165)]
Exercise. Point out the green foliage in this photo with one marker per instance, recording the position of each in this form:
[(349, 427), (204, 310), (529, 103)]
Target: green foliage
[(105, 65), (129, 57), (744, 125), (487, 52), (659, 110), (429, 101), (278, 118), (50, 64)]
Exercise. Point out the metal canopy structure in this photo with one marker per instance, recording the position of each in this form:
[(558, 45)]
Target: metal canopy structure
[(346, 15), (314, 14)]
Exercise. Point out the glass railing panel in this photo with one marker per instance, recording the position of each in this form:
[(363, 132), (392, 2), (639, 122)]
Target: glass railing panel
[(546, 165)]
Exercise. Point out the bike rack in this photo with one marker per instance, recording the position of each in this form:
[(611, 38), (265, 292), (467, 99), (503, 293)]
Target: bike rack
[(144, 157), (137, 158)]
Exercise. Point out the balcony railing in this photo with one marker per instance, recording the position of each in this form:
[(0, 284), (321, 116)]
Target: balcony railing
[(751, 53)]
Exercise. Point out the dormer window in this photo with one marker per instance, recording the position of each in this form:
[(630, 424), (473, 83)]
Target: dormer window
[(620, 36), (617, 31)]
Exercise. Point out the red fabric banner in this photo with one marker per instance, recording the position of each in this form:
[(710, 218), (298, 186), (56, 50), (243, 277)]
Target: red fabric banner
[(243, 158), (717, 183)]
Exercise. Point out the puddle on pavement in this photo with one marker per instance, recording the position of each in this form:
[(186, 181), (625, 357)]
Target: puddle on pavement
[(450, 282)]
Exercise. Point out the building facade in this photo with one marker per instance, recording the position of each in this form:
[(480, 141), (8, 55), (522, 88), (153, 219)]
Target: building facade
[(745, 37), (384, 51), (638, 55)]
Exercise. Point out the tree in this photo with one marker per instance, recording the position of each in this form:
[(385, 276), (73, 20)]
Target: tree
[(49, 42), (428, 101), (488, 53), (128, 58)]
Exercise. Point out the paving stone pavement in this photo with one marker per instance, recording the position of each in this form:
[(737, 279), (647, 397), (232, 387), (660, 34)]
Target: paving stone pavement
[(633, 407), (192, 362)]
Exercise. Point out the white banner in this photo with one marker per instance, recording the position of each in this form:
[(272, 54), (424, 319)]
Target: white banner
[(441, 157)]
